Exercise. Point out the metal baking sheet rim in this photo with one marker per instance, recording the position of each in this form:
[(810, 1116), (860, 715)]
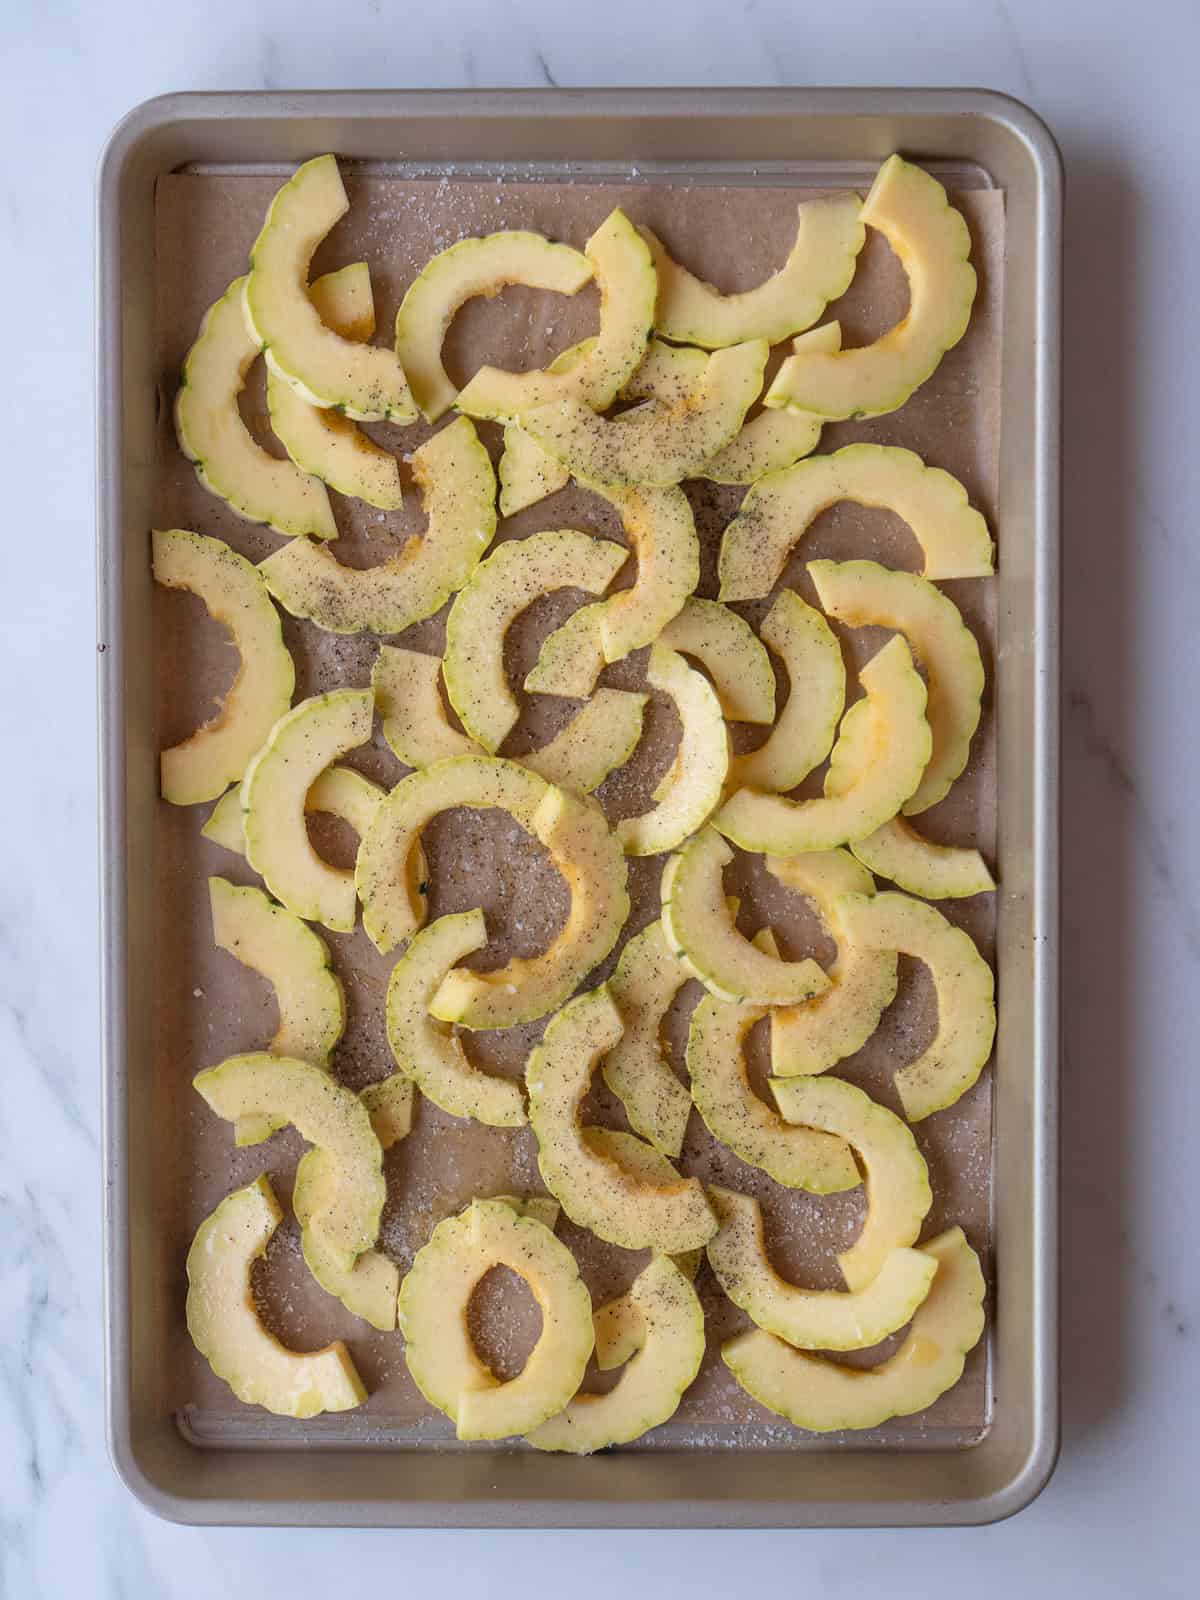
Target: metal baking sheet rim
[(814, 1487)]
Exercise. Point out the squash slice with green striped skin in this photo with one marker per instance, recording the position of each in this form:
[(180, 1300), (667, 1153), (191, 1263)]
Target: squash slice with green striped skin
[(700, 931), (362, 380), (728, 649), (458, 489), (864, 594), (877, 763), (654, 444), (589, 858), (825, 1030), (229, 461), (393, 904), (594, 1191), (773, 440), (897, 1178), (415, 723), (820, 1395), (369, 1288), (426, 1050), (294, 960), (805, 728), (918, 866), (647, 978), (515, 575), (818, 269), (912, 211), (798, 1158), (691, 787), (338, 792), (624, 270), (441, 1356), (599, 738), (481, 266), (325, 442), (327, 1115), (780, 508), (810, 1319), (300, 746), (219, 752), (224, 1324), (966, 989), (651, 1387)]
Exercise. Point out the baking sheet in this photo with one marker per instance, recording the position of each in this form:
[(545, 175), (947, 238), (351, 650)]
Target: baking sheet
[(208, 1006)]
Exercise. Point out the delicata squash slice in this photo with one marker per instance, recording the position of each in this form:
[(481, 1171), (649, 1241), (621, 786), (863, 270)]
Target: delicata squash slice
[(733, 656), (620, 259), (810, 1319), (647, 978), (780, 508), (458, 489), (218, 753), (930, 237), (820, 1395), (818, 269), (362, 380), (224, 1324), (368, 1289), (597, 1192), (918, 866), (337, 791), (441, 1356), (229, 461), (325, 442), (881, 753)]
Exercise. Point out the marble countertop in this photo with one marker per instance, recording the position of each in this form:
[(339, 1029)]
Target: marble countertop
[(1112, 1521)]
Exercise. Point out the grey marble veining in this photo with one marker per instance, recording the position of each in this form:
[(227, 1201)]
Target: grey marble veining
[(1117, 1518)]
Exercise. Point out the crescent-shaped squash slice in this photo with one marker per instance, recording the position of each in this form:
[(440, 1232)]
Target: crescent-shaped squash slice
[(224, 1324), (820, 1395), (728, 649), (965, 987), (329, 1116), (571, 658), (325, 442), (294, 960), (441, 1356), (701, 932), (774, 439), (515, 575), (588, 856), (647, 978), (930, 237), (825, 1030), (599, 738), (798, 1158), (876, 764), (691, 787), (818, 269), (472, 267), (526, 473), (647, 1165), (897, 1178), (393, 904), (594, 1191), (654, 443), (300, 746), (426, 1050), (458, 490), (369, 1288), (804, 730), (779, 510), (338, 792), (810, 1319), (624, 270), (918, 866), (365, 382), (229, 461), (650, 1389), (218, 753), (864, 594), (415, 723), (389, 1103), (667, 372)]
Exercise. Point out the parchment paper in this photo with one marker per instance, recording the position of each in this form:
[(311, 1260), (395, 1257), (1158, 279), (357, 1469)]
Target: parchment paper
[(208, 1006)]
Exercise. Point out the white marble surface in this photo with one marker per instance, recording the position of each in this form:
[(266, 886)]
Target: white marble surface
[(1124, 108)]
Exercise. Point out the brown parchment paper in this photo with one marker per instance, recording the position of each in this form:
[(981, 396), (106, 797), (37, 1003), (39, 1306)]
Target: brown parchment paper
[(208, 1006)]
